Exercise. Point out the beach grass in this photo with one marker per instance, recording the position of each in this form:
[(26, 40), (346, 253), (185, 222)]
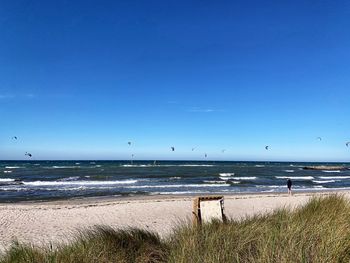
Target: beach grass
[(316, 232)]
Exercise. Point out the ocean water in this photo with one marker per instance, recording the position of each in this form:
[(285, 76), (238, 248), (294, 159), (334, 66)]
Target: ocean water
[(46, 180)]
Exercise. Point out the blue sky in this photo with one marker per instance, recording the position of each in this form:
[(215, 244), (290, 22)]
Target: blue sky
[(79, 79)]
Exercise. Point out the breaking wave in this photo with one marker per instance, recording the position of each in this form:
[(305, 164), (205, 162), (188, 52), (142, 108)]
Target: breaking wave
[(334, 177), (51, 183), (6, 180), (244, 178), (295, 177), (323, 182), (177, 186), (226, 174)]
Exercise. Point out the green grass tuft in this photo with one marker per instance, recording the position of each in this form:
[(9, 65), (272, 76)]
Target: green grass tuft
[(101, 244), (317, 232)]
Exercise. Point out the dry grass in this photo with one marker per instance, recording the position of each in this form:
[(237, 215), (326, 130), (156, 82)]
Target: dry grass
[(317, 232)]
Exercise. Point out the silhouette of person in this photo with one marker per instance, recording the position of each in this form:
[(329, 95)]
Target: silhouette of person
[(289, 185)]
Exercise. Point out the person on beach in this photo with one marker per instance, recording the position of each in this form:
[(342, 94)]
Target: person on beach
[(289, 185)]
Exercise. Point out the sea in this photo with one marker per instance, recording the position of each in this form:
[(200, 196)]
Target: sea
[(54, 180)]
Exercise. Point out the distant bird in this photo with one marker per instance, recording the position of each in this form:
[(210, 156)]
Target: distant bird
[(319, 138), (223, 150), (129, 143), (347, 144), (28, 154), (172, 148), (205, 155), (267, 147), (193, 148), (14, 138), (132, 156)]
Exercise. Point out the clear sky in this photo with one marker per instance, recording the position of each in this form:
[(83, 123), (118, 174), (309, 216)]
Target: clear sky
[(79, 79)]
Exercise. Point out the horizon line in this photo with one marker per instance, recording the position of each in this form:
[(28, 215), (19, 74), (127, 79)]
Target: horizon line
[(164, 160)]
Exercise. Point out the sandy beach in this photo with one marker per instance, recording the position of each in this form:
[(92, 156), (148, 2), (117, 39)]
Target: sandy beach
[(55, 222)]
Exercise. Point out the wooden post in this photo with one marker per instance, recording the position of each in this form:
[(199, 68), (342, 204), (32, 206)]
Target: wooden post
[(196, 212)]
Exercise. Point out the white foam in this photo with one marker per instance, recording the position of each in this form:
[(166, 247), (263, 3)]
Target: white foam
[(226, 178), (175, 178), (7, 172), (71, 188), (259, 165), (243, 178), (64, 167), (178, 186), (6, 180), (167, 165), (12, 167), (323, 182), (227, 174), (13, 188), (51, 183), (295, 177), (137, 165), (334, 177), (72, 178), (331, 171), (195, 165), (289, 171)]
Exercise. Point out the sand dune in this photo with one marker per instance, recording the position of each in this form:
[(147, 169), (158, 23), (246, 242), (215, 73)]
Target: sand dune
[(54, 222)]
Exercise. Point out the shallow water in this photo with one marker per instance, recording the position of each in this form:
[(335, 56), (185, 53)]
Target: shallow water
[(43, 180)]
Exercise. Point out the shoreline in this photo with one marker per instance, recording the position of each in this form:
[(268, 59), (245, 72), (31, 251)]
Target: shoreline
[(161, 197)]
